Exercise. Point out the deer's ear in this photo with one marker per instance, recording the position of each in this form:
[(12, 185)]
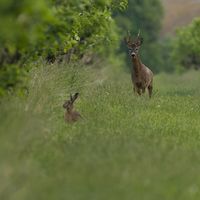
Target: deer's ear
[(126, 41), (141, 41)]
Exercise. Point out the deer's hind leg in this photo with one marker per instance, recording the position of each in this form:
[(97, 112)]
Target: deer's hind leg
[(150, 89), (139, 91)]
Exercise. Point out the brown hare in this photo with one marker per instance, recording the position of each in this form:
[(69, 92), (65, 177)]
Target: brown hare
[(71, 115)]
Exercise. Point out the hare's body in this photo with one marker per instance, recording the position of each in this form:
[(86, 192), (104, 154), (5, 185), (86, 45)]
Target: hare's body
[(142, 76), (71, 115)]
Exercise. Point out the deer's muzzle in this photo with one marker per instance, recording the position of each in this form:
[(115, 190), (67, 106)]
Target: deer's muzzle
[(133, 54)]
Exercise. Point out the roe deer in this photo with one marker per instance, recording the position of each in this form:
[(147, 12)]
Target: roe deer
[(70, 114), (142, 76)]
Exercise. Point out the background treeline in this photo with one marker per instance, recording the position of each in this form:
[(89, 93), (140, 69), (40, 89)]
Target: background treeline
[(87, 30)]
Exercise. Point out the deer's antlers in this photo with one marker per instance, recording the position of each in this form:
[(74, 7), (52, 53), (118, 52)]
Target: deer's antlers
[(138, 35), (129, 41), (139, 40)]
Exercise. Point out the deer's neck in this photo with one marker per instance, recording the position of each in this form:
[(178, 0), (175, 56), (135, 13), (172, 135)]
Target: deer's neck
[(137, 65)]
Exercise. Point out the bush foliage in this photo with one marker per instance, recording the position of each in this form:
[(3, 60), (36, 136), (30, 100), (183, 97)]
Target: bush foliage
[(187, 49), (51, 29)]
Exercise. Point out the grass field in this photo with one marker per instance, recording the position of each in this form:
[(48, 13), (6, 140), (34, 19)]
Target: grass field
[(125, 147)]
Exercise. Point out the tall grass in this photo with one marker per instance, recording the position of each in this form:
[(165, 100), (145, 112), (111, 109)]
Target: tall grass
[(125, 147)]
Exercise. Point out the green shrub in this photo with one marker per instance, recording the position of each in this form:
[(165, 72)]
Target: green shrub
[(187, 49), (53, 29)]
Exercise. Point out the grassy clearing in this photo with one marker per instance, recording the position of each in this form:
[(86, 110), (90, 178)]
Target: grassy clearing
[(126, 147)]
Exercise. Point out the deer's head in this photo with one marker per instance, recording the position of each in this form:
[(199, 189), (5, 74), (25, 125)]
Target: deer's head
[(133, 45), (68, 104)]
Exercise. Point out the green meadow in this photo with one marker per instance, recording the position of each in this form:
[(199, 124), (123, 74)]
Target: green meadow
[(124, 147)]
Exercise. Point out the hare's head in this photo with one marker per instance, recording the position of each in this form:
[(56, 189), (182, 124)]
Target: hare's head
[(68, 105)]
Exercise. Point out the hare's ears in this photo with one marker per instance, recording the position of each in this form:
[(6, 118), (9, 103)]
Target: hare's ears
[(74, 97)]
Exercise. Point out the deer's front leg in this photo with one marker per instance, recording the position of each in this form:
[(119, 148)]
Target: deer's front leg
[(139, 91)]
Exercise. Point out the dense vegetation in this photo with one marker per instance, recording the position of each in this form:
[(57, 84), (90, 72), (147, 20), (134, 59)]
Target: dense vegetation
[(56, 25), (187, 49), (125, 146), (55, 30)]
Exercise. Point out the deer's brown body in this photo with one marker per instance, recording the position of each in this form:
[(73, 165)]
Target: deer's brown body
[(71, 115), (142, 76)]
